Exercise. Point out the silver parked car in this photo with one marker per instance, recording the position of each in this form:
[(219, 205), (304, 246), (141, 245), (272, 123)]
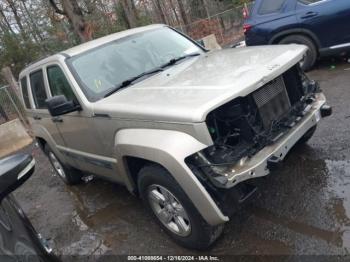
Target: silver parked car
[(182, 127)]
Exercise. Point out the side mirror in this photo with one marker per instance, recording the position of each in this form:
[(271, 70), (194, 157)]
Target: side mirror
[(59, 105), (200, 42), (14, 171)]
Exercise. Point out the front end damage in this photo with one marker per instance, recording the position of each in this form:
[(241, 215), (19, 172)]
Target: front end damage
[(253, 133)]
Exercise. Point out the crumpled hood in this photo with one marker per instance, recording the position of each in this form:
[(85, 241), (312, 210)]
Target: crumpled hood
[(188, 91)]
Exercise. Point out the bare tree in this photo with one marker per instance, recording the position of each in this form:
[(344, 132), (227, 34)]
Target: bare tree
[(5, 23), (160, 11), (33, 25), (75, 17), (130, 12), (175, 12), (183, 12), (17, 17)]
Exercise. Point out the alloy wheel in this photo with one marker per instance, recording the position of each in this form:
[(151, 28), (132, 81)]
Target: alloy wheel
[(57, 165), (169, 210)]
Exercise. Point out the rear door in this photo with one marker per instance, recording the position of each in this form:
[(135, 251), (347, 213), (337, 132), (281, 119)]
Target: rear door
[(269, 17), (38, 114), (327, 19)]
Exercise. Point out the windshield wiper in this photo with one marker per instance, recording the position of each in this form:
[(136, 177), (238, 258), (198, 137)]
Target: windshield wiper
[(153, 71), (133, 79), (175, 60)]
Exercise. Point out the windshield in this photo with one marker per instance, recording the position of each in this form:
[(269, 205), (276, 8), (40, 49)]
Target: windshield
[(102, 69)]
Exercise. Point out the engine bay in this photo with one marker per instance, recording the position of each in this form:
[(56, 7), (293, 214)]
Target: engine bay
[(245, 125)]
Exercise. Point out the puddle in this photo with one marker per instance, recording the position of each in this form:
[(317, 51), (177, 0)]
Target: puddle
[(334, 238), (307, 203), (89, 244), (339, 192), (79, 222), (308, 200), (102, 214)]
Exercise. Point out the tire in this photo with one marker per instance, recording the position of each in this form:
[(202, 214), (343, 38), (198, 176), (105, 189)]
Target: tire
[(69, 175), (196, 233), (305, 138), (311, 55)]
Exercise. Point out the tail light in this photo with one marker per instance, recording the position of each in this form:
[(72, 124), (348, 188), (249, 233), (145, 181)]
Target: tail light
[(246, 28)]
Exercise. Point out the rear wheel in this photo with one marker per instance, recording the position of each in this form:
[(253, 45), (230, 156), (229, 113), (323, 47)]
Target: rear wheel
[(69, 175), (310, 57), (173, 210)]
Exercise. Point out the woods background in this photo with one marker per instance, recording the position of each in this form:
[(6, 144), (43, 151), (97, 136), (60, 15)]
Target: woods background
[(30, 29)]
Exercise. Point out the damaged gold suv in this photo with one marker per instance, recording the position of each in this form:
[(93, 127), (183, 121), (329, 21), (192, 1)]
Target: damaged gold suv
[(183, 128)]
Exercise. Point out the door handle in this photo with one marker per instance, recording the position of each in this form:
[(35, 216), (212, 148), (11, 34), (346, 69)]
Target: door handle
[(309, 15), (37, 117), (57, 119)]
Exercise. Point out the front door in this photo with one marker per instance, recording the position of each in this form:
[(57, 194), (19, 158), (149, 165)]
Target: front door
[(81, 141)]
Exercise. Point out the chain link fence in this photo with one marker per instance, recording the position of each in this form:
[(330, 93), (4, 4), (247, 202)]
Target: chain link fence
[(11, 107), (227, 26)]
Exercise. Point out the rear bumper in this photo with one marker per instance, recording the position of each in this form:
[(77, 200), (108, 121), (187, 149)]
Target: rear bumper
[(258, 165)]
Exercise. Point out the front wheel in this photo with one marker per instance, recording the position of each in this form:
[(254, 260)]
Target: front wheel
[(69, 175), (173, 210)]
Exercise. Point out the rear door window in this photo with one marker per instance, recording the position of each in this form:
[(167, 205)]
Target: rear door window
[(270, 6), (25, 94), (38, 89), (58, 83)]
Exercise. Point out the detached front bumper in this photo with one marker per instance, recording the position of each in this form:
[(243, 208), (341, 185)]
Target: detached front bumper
[(257, 166)]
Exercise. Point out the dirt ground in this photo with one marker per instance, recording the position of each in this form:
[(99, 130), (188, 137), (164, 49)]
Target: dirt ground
[(302, 209)]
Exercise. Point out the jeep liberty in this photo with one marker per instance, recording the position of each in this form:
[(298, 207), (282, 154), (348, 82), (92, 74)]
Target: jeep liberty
[(183, 128)]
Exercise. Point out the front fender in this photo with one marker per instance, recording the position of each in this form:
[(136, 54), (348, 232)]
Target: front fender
[(169, 149)]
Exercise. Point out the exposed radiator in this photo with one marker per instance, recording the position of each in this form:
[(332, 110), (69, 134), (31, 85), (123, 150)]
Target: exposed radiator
[(272, 101)]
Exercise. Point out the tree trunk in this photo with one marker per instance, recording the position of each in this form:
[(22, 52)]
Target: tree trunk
[(184, 16), (75, 17), (175, 12), (130, 13), (17, 18), (10, 79), (160, 11), (144, 4), (2, 15), (34, 26), (206, 8)]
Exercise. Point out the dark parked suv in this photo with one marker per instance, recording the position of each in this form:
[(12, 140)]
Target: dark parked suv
[(322, 25)]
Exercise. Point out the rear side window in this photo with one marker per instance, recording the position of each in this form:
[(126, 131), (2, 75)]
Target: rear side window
[(38, 89), (270, 6), (24, 87), (59, 84)]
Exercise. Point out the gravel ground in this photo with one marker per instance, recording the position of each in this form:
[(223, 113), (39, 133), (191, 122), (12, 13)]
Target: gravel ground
[(302, 209)]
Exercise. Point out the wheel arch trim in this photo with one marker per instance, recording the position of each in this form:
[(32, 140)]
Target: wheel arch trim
[(301, 31), (168, 149), (42, 133)]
